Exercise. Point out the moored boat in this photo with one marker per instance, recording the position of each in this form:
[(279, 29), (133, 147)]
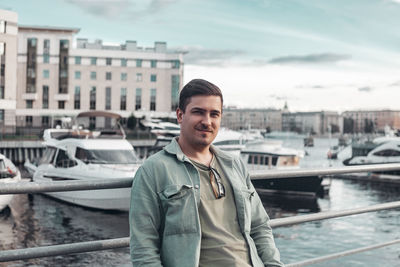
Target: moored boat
[(8, 174)]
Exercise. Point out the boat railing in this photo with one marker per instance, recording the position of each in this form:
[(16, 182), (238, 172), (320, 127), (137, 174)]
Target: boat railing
[(24, 187)]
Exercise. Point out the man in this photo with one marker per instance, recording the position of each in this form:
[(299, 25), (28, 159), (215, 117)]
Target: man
[(193, 204)]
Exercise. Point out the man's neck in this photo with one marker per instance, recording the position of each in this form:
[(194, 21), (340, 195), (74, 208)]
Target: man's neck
[(200, 154)]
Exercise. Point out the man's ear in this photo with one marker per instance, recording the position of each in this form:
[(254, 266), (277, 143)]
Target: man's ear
[(179, 115)]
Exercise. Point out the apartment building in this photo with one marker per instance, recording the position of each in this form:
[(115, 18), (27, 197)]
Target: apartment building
[(361, 121), (46, 73), (244, 118), (320, 122), (8, 74)]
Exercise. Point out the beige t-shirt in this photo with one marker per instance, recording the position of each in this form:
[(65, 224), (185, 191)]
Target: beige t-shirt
[(222, 243)]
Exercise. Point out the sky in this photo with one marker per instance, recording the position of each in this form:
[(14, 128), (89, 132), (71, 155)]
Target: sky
[(312, 54)]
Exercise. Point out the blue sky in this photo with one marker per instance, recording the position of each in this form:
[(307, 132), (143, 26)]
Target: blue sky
[(314, 54)]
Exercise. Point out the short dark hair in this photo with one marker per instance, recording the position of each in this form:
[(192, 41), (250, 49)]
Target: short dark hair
[(197, 87)]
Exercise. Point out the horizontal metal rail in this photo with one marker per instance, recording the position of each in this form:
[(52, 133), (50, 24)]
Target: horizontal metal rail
[(331, 214), (58, 186), (28, 253), (272, 174), (40, 187), (57, 250), (342, 254)]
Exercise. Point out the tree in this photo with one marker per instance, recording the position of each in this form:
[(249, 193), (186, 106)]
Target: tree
[(348, 125), (131, 123)]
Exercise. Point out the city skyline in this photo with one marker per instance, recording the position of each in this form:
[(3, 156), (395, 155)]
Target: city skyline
[(312, 54)]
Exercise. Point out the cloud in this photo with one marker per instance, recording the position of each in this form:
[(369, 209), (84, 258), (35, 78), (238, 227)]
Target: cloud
[(125, 9), (205, 56), (365, 89), (310, 59)]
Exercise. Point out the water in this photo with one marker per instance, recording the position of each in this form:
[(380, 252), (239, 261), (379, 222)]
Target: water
[(36, 220)]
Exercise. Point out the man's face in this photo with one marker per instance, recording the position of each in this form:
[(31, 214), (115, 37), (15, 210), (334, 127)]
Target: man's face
[(201, 120)]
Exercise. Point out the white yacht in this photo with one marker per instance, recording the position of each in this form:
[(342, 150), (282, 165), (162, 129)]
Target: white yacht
[(388, 152), (8, 174), (84, 155)]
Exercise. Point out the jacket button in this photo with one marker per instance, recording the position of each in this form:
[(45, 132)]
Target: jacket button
[(196, 186)]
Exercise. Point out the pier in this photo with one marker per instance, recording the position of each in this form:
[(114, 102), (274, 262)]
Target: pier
[(88, 246)]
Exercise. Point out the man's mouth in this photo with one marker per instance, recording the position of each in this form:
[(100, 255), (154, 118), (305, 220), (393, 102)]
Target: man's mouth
[(202, 129)]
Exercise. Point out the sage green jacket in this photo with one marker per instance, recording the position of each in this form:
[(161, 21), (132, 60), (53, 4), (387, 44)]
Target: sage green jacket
[(164, 219)]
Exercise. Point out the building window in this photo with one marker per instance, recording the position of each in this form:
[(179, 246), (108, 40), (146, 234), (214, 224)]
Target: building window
[(93, 75), (139, 63), (176, 64), (45, 121), (45, 97), (123, 99), (175, 80), (78, 60), (138, 101), (153, 63), (63, 73), (1, 92), (93, 60), (77, 97), (139, 77), (124, 76), (28, 120), (108, 76), (108, 61), (93, 98), (29, 103), (1, 115), (46, 51), (61, 104), (153, 93), (2, 26), (153, 78), (64, 44), (108, 98), (77, 75), (124, 62), (46, 58)]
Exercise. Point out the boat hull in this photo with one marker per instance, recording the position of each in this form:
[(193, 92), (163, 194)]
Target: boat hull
[(301, 186), (5, 200), (105, 199)]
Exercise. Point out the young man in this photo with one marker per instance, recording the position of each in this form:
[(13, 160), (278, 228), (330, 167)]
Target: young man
[(193, 204)]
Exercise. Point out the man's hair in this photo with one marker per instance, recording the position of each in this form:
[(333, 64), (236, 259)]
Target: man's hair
[(197, 87)]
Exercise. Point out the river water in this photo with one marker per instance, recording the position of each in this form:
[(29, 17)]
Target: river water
[(36, 220)]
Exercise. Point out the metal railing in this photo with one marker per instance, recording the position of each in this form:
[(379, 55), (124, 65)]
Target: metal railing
[(80, 247)]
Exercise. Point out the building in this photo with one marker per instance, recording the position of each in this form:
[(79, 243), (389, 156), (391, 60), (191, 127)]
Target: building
[(55, 75), (8, 74), (244, 118), (368, 121), (320, 122)]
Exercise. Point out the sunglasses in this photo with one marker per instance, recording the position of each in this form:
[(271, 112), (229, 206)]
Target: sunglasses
[(216, 184)]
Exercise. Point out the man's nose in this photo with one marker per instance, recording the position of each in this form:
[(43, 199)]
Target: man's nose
[(206, 119)]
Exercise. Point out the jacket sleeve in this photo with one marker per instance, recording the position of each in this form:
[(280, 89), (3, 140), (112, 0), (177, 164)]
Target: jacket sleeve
[(260, 231), (144, 221)]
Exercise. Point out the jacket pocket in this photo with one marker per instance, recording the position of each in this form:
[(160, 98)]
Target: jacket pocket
[(247, 197), (179, 206)]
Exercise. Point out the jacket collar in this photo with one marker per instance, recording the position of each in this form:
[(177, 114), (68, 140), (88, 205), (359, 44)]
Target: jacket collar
[(174, 149)]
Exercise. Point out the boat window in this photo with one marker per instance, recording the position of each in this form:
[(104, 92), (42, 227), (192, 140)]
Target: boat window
[(250, 160), (108, 156), (255, 159), (63, 161), (261, 160), (266, 162), (48, 155), (274, 160), (387, 153)]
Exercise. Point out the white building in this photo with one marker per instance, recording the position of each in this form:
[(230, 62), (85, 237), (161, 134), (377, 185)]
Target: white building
[(8, 74), (55, 75)]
